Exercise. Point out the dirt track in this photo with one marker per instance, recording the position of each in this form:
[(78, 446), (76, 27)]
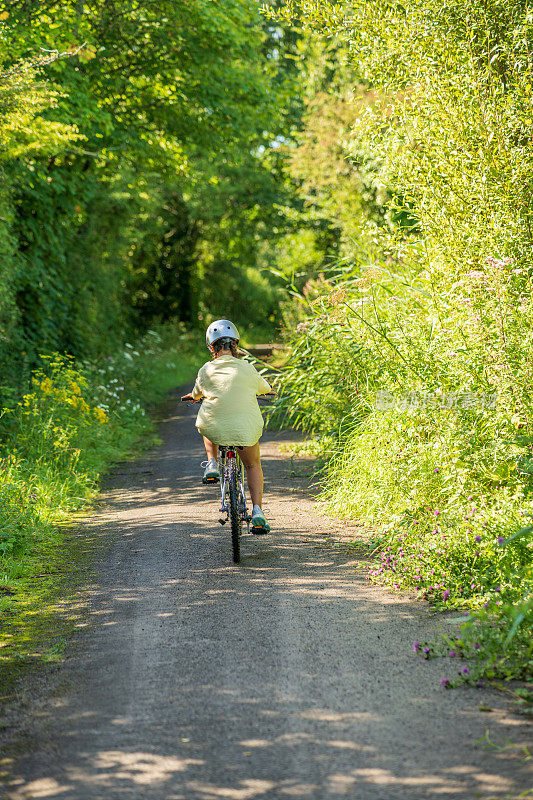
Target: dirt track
[(288, 676)]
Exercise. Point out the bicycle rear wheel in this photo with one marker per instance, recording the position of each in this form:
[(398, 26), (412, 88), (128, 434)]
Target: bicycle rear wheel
[(234, 510)]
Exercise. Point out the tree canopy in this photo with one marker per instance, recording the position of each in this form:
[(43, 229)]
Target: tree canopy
[(139, 176)]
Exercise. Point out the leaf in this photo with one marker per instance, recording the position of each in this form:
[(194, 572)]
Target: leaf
[(519, 535)]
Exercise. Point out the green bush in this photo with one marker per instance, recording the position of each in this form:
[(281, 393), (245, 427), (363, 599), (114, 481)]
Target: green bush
[(71, 426), (430, 313)]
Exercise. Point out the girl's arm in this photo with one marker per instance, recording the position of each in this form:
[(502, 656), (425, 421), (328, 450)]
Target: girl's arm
[(197, 391)]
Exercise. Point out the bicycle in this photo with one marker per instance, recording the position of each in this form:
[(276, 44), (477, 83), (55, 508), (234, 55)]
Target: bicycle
[(233, 496), (232, 493)]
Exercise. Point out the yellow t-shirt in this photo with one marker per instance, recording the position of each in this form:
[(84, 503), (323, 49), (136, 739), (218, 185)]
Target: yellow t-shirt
[(230, 413)]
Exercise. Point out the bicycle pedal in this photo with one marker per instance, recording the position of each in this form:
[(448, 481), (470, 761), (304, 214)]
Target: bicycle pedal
[(210, 480), (223, 521), (260, 531)]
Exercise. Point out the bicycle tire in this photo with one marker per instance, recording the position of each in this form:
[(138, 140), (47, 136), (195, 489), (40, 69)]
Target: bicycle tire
[(234, 510)]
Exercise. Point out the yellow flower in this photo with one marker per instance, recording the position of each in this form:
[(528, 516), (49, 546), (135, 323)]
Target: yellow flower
[(46, 386), (100, 415)]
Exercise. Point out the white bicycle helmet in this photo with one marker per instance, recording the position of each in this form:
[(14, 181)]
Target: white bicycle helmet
[(220, 329)]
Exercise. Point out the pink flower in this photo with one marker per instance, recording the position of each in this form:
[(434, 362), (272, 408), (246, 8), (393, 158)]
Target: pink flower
[(498, 263)]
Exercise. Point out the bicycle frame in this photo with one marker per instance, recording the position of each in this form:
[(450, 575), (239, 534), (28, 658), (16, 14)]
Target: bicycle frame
[(226, 452)]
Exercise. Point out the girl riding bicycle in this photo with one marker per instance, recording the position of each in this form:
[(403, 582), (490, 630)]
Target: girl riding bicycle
[(229, 414)]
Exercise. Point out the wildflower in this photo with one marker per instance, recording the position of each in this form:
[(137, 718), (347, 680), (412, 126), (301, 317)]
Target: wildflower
[(337, 297), (445, 682), (476, 646), (477, 538), (416, 647), (436, 469), (100, 415), (46, 386), (479, 684), (501, 539), (436, 512), (426, 651), (452, 653), (465, 670), (498, 263), (445, 594)]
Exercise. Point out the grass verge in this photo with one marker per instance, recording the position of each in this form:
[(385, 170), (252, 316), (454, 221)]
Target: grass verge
[(74, 423)]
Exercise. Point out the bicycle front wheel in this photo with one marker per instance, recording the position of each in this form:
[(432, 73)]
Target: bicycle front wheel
[(234, 510)]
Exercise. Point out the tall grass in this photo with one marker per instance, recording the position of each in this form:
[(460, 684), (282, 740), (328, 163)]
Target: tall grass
[(414, 364), (72, 424), (435, 461)]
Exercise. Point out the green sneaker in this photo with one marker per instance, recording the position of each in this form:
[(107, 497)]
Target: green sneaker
[(259, 524), (211, 474)]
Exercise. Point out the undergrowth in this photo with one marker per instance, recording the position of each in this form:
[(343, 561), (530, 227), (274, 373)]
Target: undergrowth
[(411, 354), (73, 423)]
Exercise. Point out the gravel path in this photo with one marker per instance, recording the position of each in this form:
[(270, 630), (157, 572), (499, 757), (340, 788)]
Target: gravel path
[(288, 676)]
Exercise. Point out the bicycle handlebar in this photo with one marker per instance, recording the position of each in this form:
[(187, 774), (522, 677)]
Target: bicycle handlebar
[(199, 400)]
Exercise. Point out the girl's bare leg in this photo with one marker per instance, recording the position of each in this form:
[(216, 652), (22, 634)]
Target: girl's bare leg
[(210, 448), (251, 458)]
